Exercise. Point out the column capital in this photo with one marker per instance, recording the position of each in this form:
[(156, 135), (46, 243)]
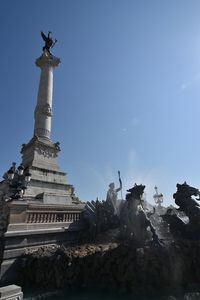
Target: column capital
[(47, 59)]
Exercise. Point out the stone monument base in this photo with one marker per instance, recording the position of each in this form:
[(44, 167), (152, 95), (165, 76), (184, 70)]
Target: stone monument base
[(48, 184), (33, 225)]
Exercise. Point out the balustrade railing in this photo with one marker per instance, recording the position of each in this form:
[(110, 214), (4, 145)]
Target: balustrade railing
[(52, 217)]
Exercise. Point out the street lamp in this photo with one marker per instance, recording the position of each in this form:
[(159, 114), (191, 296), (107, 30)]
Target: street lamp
[(18, 179)]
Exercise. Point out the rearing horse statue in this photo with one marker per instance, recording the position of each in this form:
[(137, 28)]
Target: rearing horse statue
[(134, 222)]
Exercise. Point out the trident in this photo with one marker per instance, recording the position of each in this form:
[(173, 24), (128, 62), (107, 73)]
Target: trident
[(120, 181)]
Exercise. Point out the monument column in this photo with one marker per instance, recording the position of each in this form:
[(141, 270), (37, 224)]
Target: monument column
[(43, 111), (48, 183)]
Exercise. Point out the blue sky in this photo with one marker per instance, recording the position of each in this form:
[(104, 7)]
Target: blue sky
[(126, 96)]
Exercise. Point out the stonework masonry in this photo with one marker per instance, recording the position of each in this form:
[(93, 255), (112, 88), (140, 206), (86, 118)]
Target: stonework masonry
[(43, 111), (40, 154), (47, 211)]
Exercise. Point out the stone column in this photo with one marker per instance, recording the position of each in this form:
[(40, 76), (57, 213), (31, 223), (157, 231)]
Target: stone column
[(48, 184), (43, 111)]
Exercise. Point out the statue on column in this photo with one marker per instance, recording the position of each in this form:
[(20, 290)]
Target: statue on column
[(112, 195), (49, 43)]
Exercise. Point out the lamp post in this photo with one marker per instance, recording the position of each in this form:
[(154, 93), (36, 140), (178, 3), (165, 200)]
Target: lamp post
[(17, 179)]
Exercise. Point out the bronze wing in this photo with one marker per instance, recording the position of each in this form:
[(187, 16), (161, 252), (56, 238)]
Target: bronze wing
[(43, 36)]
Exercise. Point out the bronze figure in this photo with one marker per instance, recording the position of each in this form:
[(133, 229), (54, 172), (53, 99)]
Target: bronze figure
[(49, 43)]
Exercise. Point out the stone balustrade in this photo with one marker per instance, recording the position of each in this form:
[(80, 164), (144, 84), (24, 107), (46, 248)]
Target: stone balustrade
[(52, 217)]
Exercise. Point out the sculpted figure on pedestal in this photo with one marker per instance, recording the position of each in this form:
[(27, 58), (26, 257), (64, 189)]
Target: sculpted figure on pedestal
[(49, 43), (112, 195)]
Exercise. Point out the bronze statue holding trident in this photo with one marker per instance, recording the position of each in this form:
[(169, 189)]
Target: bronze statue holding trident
[(49, 43)]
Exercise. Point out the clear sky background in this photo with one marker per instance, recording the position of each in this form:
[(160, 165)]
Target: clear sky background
[(126, 96)]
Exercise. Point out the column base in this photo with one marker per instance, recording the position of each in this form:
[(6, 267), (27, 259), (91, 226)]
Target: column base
[(48, 184), (41, 153)]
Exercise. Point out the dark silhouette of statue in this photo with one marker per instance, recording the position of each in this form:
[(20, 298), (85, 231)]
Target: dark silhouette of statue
[(188, 207), (134, 220), (49, 43)]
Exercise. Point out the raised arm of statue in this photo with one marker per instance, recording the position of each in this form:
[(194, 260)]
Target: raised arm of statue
[(119, 189)]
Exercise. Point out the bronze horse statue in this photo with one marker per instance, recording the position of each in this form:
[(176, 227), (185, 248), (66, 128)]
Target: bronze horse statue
[(134, 221), (189, 207)]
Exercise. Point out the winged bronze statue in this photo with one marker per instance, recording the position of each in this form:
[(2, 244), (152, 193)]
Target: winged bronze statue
[(49, 43)]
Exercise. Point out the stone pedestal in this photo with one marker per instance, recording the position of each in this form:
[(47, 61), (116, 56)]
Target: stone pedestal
[(11, 292), (48, 183), (41, 154), (33, 225)]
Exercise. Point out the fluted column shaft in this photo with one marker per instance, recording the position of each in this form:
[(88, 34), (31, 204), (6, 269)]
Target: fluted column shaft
[(43, 110)]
